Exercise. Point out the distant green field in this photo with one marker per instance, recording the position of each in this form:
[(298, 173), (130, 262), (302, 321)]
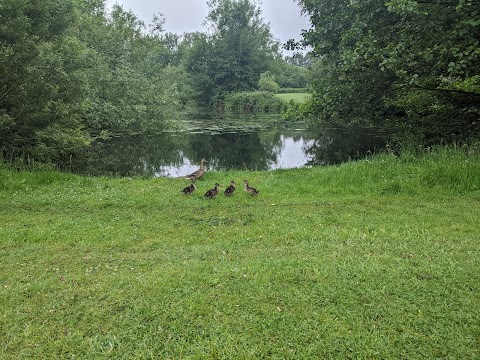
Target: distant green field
[(297, 97)]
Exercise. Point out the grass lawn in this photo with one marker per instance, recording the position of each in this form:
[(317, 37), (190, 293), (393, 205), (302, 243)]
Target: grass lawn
[(374, 259), (297, 97)]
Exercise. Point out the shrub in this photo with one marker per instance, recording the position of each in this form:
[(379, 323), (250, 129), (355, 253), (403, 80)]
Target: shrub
[(292, 90), (267, 83), (253, 102)]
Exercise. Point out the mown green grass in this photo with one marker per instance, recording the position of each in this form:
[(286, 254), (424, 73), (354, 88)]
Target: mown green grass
[(299, 98), (374, 259)]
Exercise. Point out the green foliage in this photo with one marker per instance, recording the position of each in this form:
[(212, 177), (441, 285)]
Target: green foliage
[(292, 90), (289, 75), (299, 59), (267, 83), (232, 58), (298, 97), (372, 67), (68, 73), (297, 105), (298, 110), (253, 102), (198, 63), (137, 91), (42, 78), (370, 259)]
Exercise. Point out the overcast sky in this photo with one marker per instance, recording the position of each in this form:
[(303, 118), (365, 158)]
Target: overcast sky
[(182, 16)]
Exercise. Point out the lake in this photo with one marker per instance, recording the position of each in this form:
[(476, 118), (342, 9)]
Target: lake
[(246, 142)]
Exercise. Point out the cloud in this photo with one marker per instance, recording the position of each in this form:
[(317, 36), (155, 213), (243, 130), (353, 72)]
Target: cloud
[(182, 16)]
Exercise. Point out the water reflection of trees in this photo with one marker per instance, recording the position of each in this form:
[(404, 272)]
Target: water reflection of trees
[(133, 155), (256, 150), (244, 150), (334, 146), (150, 155)]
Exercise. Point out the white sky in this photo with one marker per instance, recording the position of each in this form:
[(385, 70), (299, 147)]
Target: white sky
[(284, 16)]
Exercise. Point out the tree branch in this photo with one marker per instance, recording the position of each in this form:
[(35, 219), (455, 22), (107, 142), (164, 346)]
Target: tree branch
[(447, 90)]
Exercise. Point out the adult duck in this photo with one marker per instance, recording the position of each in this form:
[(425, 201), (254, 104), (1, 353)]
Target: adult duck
[(230, 189), (198, 173), (189, 189), (252, 191), (210, 194)]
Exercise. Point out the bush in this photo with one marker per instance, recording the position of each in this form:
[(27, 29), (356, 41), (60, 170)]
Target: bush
[(253, 102), (267, 83), (292, 90), (295, 111)]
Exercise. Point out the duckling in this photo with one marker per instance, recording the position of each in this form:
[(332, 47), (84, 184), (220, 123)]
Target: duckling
[(229, 190), (189, 189), (197, 174), (249, 189), (210, 194)]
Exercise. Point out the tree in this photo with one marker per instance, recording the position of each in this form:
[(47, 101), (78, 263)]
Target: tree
[(288, 74), (438, 76), (412, 63), (198, 62), (267, 82), (135, 90), (42, 88), (69, 72), (240, 48)]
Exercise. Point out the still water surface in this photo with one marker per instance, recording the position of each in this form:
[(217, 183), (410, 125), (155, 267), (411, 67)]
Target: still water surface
[(252, 143)]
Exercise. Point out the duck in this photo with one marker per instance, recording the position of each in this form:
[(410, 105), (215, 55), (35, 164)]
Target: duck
[(197, 174), (189, 189), (210, 194), (230, 189), (252, 191)]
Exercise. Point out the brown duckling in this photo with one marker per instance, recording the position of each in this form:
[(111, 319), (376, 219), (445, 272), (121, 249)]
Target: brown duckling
[(210, 194), (189, 189), (198, 173), (252, 191), (230, 189)]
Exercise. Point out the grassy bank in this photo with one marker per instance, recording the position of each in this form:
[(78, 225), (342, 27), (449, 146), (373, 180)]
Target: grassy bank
[(375, 259), (299, 98)]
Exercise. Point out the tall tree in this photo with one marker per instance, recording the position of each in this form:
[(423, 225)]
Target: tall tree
[(438, 73), (41, 82), (135, 90), (240, 48), (415, 63), (69, 71)]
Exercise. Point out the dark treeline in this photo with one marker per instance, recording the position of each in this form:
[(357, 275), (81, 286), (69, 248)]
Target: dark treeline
[(70, 72), (412, 65)]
